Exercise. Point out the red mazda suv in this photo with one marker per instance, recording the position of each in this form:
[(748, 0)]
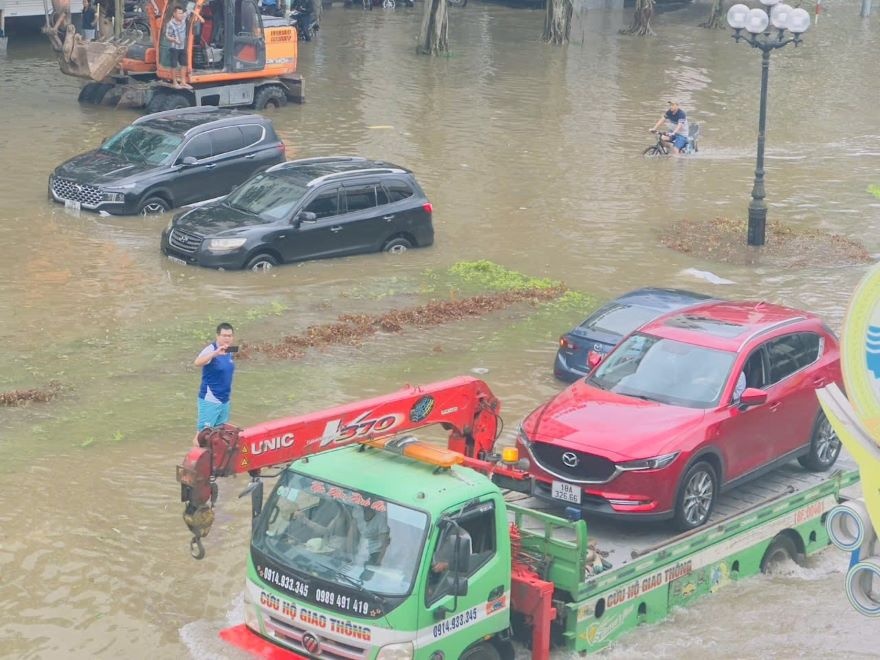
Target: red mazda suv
[(696, 401)]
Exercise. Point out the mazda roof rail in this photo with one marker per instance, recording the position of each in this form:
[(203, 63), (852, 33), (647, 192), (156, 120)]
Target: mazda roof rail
[(348, 173), (180, 111)]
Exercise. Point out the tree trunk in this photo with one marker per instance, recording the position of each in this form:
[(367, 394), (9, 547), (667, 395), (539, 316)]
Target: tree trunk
[(557, 21), (434, 37), (641, 23), (716, 12)]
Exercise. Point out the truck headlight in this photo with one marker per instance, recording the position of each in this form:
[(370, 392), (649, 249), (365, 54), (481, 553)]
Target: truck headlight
[(402, 651), (224, 244), (648, 463)]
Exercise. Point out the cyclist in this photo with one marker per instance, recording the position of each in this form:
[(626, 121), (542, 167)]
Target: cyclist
[(677, 138)]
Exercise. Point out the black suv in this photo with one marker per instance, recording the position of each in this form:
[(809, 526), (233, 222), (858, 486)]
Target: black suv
[(168, 159), (305, 209)]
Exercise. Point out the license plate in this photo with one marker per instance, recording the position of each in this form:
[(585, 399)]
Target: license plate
[(72, 204), (566, 492), (176, 260)]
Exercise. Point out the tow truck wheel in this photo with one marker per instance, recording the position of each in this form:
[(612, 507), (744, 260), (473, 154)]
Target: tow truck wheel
[(781, 548), (271, 96), (483, 651), (696, 496)]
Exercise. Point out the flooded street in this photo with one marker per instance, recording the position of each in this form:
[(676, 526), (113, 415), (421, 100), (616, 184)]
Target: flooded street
[(531, 157)]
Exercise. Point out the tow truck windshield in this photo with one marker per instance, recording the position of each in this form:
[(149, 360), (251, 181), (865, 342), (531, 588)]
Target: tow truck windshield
[(350, 538)]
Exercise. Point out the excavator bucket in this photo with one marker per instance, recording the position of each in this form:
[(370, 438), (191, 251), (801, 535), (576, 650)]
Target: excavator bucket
[(91, 59)]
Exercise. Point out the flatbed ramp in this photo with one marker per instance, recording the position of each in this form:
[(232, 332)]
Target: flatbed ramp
[(569, 593), (625, 541)]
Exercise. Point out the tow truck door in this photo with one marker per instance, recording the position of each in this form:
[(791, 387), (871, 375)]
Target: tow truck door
[(452, 619)]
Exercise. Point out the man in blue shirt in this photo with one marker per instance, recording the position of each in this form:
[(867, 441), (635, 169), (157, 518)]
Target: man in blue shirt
[(217, 372), (677, 118)]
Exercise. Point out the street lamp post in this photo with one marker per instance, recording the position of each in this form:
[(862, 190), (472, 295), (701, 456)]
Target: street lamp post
[(766, 29)]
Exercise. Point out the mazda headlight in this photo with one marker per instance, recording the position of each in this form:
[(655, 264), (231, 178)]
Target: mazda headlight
[(402, 651), (224, 244), (648, 463)]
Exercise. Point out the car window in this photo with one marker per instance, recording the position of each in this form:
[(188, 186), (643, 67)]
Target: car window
[(251, 134), (619, 319), (226, 139), (326, 204), (199, 147), (267, 197), (397, 190), (139, 144), (474, 532), (790, 353), (360, 198)]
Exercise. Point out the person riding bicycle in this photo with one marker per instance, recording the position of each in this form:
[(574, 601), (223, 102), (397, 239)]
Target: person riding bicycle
[(677, 138)]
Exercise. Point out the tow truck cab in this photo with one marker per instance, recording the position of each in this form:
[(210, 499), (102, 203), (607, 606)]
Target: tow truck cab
[(361, 553)]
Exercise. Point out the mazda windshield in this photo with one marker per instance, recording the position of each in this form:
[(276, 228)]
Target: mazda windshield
[(347, 537), (665, 370)]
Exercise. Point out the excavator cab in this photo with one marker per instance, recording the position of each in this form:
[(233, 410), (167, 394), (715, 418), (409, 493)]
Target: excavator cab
[(224, 37)]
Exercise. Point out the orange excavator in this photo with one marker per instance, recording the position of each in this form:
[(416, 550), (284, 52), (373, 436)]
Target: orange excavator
[(236, 57)]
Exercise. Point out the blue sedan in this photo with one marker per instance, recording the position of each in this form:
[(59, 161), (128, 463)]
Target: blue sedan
[(583, 347)]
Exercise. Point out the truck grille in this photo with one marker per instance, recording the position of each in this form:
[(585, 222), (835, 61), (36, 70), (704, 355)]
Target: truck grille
[(311, 644), (77, 192), (558, 461), (184, 241)]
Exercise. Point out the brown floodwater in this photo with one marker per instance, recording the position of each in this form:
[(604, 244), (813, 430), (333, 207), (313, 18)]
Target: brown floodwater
[(531, 157)]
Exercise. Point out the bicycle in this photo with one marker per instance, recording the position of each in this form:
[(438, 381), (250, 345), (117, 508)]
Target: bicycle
[(665, 148)]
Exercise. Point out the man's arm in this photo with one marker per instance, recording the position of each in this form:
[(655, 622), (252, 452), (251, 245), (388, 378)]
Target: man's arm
[(659, 121), (207, 355)]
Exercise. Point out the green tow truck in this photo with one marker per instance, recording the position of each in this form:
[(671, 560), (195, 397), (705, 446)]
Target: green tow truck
[(375, 544)]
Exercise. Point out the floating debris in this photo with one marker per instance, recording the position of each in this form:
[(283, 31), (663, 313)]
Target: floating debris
[(353, 329), (23, 397)]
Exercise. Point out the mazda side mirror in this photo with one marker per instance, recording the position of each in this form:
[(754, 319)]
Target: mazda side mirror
[(752, 396)]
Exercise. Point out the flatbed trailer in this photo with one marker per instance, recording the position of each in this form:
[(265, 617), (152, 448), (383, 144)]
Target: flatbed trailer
[(651, 571)]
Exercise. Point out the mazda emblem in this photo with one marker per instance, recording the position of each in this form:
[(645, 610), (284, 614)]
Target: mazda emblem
[(570, 459), (311, 644)]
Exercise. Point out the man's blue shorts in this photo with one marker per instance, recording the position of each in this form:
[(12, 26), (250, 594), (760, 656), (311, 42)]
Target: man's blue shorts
[(680, 141), (212, 414)]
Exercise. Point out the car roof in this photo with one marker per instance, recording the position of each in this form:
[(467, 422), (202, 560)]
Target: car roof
[(660, 298), (311, 169), (185, 120), (724, 325)]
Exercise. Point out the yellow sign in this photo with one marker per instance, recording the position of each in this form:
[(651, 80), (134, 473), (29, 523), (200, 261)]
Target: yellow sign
[(857, 422)]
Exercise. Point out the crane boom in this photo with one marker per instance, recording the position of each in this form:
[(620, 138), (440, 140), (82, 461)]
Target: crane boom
[(463, 406)]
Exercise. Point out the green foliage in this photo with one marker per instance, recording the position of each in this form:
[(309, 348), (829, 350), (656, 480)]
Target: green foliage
[(874, 189), (489, 275)]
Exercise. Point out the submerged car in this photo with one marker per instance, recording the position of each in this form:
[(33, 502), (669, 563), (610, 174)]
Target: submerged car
[(582, 347), (305, 209), (168, 159), (696, 401)]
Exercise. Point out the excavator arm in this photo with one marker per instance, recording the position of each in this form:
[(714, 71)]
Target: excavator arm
[(463, 406)]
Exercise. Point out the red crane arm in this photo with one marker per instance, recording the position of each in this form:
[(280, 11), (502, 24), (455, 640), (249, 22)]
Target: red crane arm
[(464, 406)]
